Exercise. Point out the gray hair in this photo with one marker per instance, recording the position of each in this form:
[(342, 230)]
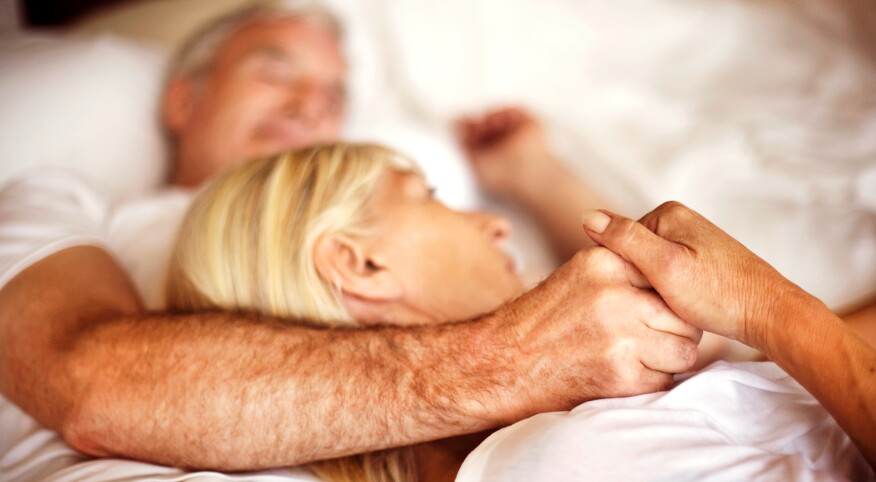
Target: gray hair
[(199, 52)]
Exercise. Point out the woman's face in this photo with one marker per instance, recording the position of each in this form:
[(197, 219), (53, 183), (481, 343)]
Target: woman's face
[(450, 264)]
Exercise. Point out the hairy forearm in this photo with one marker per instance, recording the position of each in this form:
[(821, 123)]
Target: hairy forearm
[(231, 391), (228, 392), (836, 366)]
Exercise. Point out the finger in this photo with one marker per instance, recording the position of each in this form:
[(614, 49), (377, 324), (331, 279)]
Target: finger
[(480, 131), (463, 128), (515, 115), (668, 353), (499, 114), (519, 118), (660, 317), (675, 222), (651, 381), (630, 240), (634, 276), (498, 122), (470, 125)]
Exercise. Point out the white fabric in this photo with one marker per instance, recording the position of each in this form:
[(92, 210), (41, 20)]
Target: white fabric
[(87, 105), (761, 115), (730, 422), (31, 453), (655, 100), (47, 211), (673, 102)]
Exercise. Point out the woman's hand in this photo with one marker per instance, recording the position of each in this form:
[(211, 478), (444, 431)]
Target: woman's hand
[(510, 157), (508, 152), (708, 278), (715, 283)]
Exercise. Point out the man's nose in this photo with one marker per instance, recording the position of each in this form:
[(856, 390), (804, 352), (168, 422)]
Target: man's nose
[(309, 102)]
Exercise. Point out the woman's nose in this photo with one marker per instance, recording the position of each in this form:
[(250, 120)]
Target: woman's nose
[(497, 228)]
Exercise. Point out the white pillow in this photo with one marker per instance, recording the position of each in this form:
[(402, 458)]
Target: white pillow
[(88, 105)]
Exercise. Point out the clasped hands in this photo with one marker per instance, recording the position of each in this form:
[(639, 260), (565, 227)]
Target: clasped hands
[(704, 278)]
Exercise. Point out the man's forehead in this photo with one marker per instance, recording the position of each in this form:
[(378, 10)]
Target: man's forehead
[(281, 36)]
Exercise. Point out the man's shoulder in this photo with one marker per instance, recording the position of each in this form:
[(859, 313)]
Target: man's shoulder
[(45, 185), (53, 187), (44, 211)]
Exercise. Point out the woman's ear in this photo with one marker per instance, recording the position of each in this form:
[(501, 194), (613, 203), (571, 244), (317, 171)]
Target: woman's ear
[(178, 103), (344, 262)]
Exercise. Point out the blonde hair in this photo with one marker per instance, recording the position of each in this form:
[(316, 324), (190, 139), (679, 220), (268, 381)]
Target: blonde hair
[(247, 244)]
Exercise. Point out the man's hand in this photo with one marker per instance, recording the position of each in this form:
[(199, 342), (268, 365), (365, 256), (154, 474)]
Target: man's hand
[(591, 331), (507, 150), (707, 277)]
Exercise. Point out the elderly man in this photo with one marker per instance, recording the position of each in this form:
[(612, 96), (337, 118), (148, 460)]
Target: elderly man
[(86, 350)]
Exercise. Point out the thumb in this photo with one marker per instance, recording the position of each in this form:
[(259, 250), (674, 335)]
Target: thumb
[(628, 239)]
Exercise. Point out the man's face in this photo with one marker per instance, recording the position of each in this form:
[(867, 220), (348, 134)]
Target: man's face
[(275, 85)]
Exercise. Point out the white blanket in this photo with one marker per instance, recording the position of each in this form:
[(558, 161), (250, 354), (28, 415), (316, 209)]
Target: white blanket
[(761, 115), (731, 422)]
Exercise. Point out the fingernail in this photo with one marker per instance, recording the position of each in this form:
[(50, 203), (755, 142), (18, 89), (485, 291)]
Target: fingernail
[(595, 221)]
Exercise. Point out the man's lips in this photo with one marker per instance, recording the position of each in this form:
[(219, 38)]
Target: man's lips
[(291, 133)]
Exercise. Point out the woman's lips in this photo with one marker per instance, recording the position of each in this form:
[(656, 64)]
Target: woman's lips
[(510, 264)]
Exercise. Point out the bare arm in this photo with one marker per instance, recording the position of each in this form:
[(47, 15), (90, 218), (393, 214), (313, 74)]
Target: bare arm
[(511, 159), (232, 392), (555, 199), (714, 282), (834, 364), (863, 322)]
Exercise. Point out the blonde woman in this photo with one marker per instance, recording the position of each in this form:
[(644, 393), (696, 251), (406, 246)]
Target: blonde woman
[(343, 236), (351, 235)]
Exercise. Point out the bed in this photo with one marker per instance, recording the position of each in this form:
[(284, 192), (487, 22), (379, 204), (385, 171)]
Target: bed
[(762, 116)]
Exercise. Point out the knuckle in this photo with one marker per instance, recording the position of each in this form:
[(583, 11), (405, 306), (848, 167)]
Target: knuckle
[(580, 258), (599, 257), (686, 353), (672, 206), (594, 259), (677, 210), (606, 302)]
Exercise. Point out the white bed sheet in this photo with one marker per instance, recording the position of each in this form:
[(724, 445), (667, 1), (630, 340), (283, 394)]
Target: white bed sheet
[(761, 115), (730, 422), (762, 118)]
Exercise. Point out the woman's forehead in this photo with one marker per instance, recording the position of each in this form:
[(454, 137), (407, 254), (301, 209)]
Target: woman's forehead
[(398, 185)]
